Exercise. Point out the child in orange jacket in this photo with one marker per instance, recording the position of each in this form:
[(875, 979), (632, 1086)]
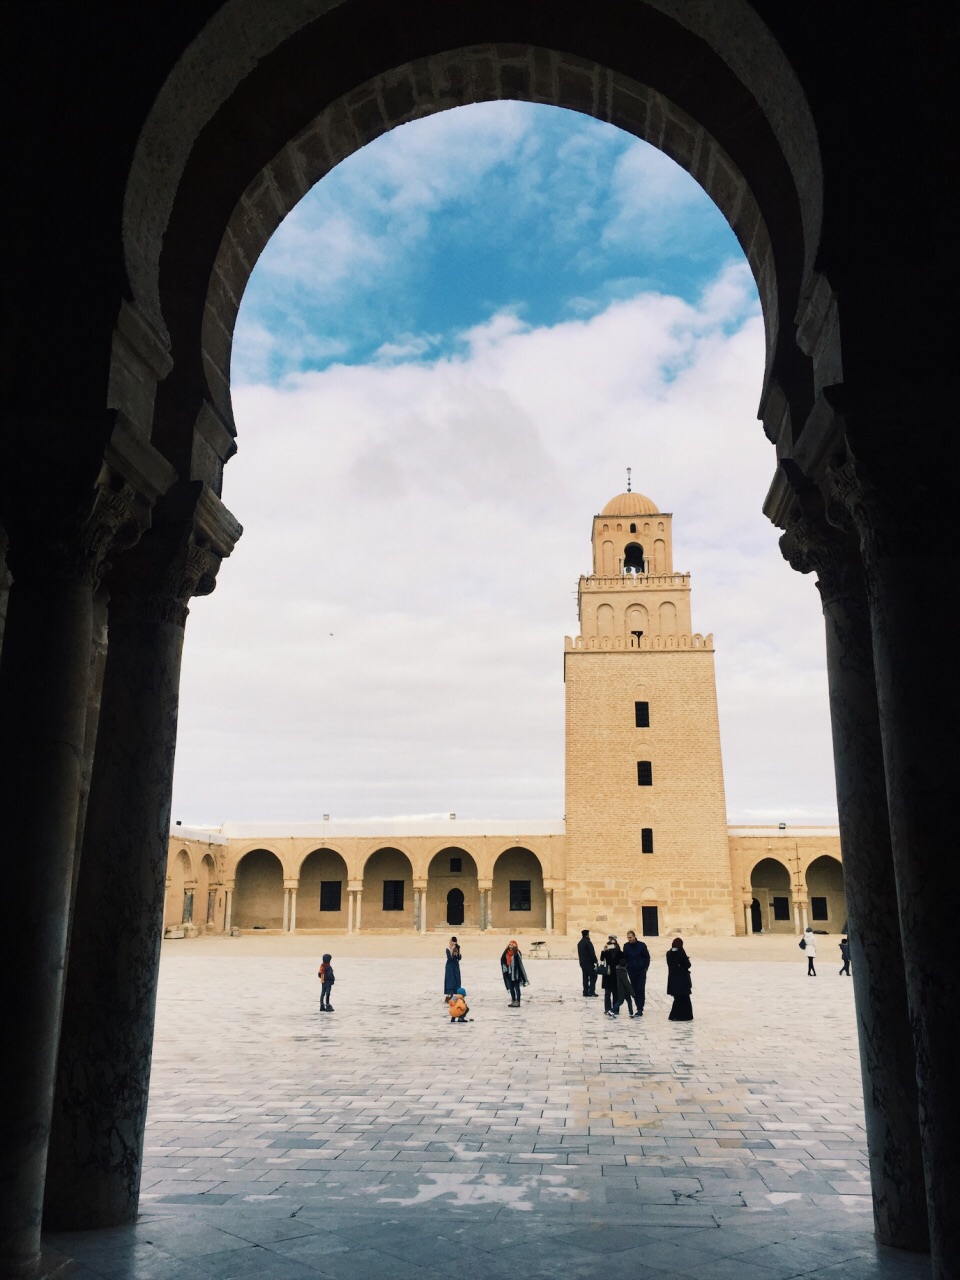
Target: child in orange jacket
[(458, 1006)]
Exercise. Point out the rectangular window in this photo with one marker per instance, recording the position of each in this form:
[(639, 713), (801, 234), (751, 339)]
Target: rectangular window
[(644, 773), (519, 895), (650, 921), (646, 839), (393, 895), (781, 908), (818, 909), (456, 866), (642, 710), (330, 895)]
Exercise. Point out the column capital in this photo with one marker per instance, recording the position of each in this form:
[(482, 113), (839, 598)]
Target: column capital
[(815, 546), (421, 885), (886, 517), (176, 559)]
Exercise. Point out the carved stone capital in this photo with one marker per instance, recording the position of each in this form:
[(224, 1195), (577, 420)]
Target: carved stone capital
[(814, 547), (178, 558), (854, 500)]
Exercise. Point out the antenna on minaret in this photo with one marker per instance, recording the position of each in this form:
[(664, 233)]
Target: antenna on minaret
[(629, 469)]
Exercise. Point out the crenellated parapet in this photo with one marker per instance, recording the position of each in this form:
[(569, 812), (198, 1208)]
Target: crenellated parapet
[(695, 641)]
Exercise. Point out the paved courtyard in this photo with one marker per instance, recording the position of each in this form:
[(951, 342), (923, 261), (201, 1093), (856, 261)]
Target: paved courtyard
[(550, 1141)]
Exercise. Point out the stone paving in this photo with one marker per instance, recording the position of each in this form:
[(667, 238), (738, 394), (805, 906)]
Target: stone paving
[(548, 1141)]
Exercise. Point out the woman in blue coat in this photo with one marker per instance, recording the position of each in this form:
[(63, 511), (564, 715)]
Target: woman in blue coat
[(451, 973)]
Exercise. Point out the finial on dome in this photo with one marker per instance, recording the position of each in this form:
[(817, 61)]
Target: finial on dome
[(629, 469)]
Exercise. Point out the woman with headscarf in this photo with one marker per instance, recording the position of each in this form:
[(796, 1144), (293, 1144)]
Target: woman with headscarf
[(451, 973), (610, 958), (679, 982), (514, 974)]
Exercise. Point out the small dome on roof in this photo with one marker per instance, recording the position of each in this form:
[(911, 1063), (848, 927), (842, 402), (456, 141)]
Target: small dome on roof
[(630, 504)]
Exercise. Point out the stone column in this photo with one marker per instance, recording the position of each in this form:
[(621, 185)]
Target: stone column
[(56, 557), (286, 910), (486, 898), (358, 902), (748, 915), (419, 905), (103, 1073), (416, 910), (548, 893), (227, 908), (349, 911), (293, 909), (905, 528), (883, 1022)]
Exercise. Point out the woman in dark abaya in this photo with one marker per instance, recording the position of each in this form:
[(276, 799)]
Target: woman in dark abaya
[(679, 982), (451, 973)]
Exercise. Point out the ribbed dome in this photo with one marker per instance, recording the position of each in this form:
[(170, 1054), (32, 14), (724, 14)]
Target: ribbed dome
[(630, 504)]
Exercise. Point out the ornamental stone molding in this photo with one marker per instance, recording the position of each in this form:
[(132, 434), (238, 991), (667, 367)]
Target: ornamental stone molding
[(811, 546)]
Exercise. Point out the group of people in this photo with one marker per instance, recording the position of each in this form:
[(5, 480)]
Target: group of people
[(808, 945), (511, 969), (623, 975)]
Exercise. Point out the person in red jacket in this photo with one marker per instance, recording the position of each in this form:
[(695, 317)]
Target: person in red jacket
[(325, 974)]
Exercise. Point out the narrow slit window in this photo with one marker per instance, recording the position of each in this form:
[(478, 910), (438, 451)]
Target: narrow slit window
[(642, 713), (644, 773), (646, 839)]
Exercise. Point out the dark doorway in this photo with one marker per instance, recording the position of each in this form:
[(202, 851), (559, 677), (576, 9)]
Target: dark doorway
[(650, 922), (455, 906), (756, 919)]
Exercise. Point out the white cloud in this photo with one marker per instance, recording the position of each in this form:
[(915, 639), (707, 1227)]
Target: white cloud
[(388, 636)]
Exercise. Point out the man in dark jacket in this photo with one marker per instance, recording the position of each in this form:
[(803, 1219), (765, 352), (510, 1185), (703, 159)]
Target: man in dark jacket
[(588, 963)]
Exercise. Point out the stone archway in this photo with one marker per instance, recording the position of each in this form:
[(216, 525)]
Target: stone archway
[(826, 904), (387, 901), (180, 872), (322, 893), (772, 890), (258, 896), (518, 900), (452, 870)]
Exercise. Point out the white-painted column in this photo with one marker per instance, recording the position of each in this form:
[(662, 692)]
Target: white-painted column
[(416, 910), (349, 911), (286, 910), (358, 897), (228, 910), (796, 917), (748, 918), (549, 896), (423, 912), (803, 912), (293, 910)]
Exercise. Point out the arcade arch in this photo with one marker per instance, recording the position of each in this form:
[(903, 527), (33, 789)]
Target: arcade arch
[(453, 872), (180, 874), (322, 896), (826, 904), (387, 899), (258, 898), (772, 891), (519, 901)]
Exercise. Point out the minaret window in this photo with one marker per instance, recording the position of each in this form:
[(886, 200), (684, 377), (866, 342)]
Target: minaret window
[(633, 528), (644, 773), (646, 839), (642, 713), (633, 558)]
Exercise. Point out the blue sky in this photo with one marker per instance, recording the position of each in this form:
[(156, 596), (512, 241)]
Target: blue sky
[(444, 361)]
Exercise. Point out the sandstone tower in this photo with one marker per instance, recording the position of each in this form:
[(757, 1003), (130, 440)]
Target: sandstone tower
[(645, 811)]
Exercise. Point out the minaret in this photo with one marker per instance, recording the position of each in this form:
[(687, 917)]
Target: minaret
[(646, 842)]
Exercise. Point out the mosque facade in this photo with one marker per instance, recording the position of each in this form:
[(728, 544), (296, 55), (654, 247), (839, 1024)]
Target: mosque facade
[(644, 843)]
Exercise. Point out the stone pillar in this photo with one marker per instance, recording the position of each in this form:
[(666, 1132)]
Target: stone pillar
[(797, 926), (103, 1074), (549, 905), (293, 909), (419, 905), (286, 910), (56, 556), (358, 902), (748, 916), (883, 1023), (227, 908), (804, 921), (906, 533), (349, 911)]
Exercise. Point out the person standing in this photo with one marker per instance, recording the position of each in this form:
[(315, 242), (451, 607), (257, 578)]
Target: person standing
[(809, 944), (637, 957), (609, 960), (587, 956), (325, 974), (624, 989), (845, 956), (451, 972), (514, 974), (679, 982)]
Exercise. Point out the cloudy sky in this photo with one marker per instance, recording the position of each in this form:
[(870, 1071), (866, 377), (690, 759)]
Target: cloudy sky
[(445, 360)]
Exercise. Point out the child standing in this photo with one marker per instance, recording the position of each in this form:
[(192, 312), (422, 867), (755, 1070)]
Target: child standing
[(458, 1006), (845, 956), (325, 974)]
